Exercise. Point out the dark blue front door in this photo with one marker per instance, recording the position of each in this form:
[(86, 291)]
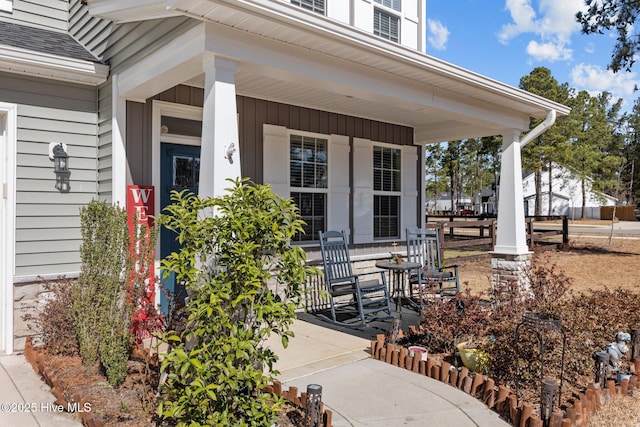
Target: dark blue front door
[(179, 170)]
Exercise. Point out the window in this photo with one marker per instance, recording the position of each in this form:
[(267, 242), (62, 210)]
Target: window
[(308, 161), (386, 25), (393, 4), (386, 192), (316, 6)]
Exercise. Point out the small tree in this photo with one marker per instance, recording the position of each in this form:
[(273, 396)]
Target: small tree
[(244, 281)]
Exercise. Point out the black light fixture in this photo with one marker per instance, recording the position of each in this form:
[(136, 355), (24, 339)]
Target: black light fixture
[(61, 167)]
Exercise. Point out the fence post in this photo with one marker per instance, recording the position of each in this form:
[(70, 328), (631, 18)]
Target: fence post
[(565, 230)]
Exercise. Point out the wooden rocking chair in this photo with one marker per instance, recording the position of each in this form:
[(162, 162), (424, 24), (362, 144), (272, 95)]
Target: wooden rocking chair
[(369, 298)]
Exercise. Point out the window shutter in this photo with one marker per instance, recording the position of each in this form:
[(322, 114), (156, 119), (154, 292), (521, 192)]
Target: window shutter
[(409, 203), (362, 191), (275, 163), (338, 215)]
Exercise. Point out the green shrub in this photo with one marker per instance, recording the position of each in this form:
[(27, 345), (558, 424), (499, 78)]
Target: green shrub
[(102, 305), (244, 281)]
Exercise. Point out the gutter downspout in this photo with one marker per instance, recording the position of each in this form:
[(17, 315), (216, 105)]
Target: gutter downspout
[(540, 129)]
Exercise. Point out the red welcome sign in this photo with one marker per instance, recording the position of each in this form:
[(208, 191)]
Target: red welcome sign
[(140, 203)]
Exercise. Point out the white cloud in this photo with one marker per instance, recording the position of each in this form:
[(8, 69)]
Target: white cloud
[(552, 25), (437, 34), (548, 51), (596, 79)]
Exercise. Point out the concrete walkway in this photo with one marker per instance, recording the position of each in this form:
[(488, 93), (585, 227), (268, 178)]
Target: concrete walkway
[(359, 391), (26, 400), (364, 392)]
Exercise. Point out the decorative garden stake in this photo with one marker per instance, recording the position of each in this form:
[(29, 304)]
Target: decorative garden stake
[(635, 344), (312, 413), (541, 323), (602, 362), (618, 349), (548, 390)]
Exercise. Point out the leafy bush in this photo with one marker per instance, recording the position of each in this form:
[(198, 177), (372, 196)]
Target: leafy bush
[(55, 321), (102, 306), (244, 281)]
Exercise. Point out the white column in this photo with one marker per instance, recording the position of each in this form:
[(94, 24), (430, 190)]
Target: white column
[(220, 152), (511, 237), (119, 145)]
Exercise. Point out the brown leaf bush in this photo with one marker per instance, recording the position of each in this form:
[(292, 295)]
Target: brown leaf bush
[(55, 321), (589, 319)]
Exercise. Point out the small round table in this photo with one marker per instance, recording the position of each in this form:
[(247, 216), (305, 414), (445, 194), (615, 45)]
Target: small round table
[(398, 280)]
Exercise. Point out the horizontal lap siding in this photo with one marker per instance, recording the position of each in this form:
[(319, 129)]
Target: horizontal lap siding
[(47, 221), (105, 143), (50, 15), (93, 33)]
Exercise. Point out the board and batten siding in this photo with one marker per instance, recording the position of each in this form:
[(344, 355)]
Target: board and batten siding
[(47, 238), (50, 15), (253, 114)]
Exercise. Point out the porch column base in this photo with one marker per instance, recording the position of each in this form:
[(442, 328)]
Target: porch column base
[(507, 269)]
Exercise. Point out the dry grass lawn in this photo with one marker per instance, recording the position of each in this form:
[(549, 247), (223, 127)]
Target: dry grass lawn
[(591, 262)]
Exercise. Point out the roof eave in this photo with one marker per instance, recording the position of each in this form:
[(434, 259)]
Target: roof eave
[(23, 61)]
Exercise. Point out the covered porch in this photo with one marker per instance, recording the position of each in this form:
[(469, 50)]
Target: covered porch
[(349, 82)]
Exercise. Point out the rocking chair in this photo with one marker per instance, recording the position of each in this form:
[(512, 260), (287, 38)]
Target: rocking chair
[(368, 298), (423, 247)]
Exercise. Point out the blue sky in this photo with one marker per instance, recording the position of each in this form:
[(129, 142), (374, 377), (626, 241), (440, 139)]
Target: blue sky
[(506, 39)]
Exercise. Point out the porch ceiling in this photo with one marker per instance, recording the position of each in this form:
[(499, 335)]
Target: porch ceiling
[(287, 55)]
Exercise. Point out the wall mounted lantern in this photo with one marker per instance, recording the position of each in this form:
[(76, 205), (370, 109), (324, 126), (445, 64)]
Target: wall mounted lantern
[(58, 153)]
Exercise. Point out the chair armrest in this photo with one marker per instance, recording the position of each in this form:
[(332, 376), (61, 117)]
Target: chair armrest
[(371, 273)]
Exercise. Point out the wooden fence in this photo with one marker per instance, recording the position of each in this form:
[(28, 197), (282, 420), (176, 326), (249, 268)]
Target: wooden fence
[(500, 398), (623, 213), (461, 232)]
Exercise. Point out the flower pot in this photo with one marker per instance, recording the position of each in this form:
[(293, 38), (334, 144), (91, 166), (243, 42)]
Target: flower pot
[(622, 377), (415, 349), (474, 359)]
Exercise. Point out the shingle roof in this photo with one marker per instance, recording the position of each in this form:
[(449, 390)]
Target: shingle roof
[(45, 41)]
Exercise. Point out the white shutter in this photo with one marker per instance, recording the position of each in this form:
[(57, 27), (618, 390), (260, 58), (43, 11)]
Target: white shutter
[(275, 163), (362, 191), (409, 202), (338, 206)]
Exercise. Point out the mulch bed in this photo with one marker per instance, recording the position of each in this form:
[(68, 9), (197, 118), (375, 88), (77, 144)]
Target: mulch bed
[(77, 387), (133, 404)]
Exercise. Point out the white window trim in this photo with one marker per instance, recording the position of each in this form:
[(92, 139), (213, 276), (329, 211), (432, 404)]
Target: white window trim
[(309, 10), (399, 193), (6, 5), (390, 9), (163, 108), (159, 109), (326, 191), (393, 12), (8, 136)]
